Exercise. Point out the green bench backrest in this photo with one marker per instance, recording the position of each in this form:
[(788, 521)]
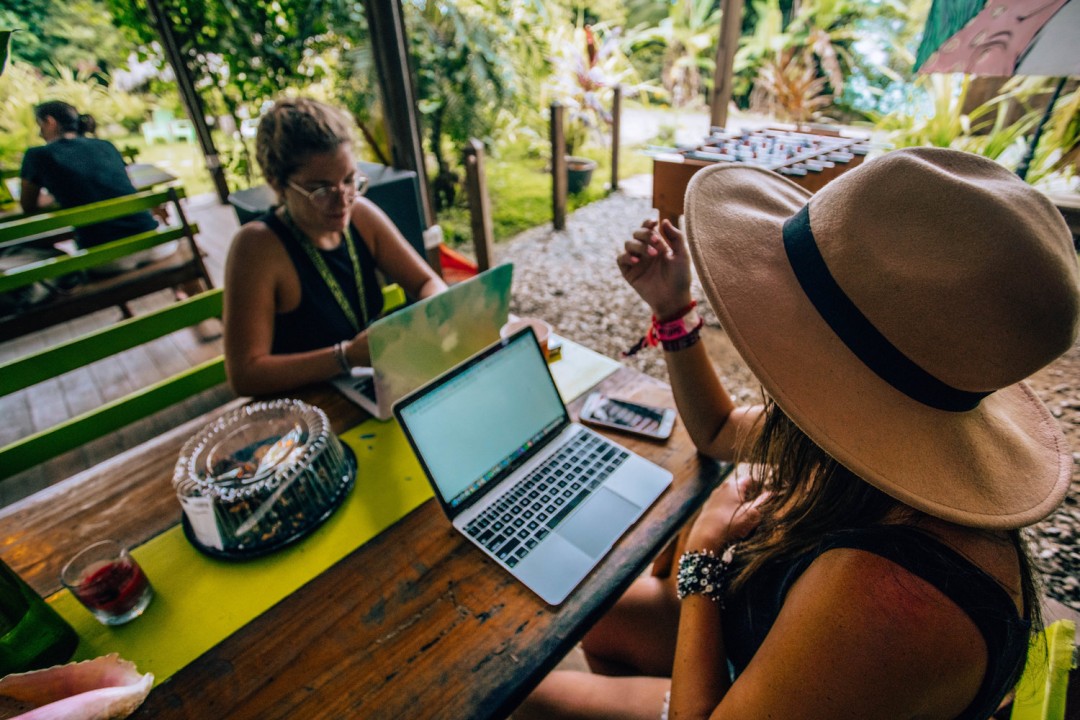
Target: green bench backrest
[(15, 232), (86, 214), (83, 259), (27, 371)]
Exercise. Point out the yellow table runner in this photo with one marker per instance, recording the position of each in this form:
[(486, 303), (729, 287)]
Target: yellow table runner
[(199, 601)]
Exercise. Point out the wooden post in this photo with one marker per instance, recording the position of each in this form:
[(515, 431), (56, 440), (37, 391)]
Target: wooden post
[(389, 45), (189, 96), (558, 166), (730, 29), (616, 114), (479, 203)]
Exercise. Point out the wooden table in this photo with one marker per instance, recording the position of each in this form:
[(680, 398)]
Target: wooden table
[(672, 171), (145, 176), (416, 623)]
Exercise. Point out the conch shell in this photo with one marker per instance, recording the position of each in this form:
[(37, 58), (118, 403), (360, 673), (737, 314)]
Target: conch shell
[(104, 688)]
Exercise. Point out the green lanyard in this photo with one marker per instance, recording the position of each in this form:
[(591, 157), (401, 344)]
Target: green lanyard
[(324, 272)]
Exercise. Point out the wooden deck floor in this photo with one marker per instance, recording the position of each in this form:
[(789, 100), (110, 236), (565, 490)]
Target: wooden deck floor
[(48, 403)]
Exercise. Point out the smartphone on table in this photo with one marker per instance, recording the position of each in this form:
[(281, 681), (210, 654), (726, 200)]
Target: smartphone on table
[(632, 417)]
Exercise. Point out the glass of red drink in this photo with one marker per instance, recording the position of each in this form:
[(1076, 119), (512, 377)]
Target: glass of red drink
[(108, 581)]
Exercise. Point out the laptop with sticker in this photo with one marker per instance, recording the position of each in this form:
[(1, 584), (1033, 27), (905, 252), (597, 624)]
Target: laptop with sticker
[(418, 342)]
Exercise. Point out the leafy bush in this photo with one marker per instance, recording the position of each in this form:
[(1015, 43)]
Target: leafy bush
[(935, 115), (22, 87)]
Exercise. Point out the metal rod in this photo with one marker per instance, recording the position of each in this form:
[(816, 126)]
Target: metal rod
[(1029, 154)]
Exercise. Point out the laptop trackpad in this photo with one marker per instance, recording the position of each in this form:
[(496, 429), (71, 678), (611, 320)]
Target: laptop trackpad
[(599, 522)]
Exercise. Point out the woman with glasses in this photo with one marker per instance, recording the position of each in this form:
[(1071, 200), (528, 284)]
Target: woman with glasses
[(300, 282)]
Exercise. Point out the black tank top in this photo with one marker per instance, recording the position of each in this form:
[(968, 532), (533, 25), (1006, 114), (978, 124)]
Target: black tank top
[(318, 321), (751, 612)]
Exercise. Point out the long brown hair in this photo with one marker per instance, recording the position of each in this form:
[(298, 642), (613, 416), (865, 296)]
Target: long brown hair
[(811, 494)]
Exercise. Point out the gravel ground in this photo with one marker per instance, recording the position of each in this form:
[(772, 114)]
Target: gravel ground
[(570, 278)]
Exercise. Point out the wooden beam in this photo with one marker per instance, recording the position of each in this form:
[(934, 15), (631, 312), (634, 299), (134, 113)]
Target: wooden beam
[(390, 46), (616, 117), (479, 203), (558, 166), (730, 30), (190, 97)]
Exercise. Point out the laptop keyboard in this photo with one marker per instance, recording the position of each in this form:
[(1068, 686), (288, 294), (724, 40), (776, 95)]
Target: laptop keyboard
[(536, 504), (365, 385)]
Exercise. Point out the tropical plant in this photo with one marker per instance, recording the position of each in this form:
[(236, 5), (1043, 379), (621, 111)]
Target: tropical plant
[(587, 63), (935, 115), (688, 35), (5, 45), (243, 53), (820, 36), (789, 88), (75, 33), (462, 79), (23, 86)]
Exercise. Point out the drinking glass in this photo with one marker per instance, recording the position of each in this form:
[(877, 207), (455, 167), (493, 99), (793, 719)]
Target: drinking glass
[(108, 582)]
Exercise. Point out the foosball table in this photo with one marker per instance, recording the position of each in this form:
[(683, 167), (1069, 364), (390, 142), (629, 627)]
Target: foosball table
[(809, 159)]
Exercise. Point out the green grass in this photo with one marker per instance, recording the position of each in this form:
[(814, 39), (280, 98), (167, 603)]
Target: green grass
[(519, 188)]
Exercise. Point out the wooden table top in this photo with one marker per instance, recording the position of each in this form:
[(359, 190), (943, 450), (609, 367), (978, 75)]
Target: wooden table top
[(416, 622)]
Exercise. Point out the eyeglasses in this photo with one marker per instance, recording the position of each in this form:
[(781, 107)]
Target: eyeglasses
[(324, 197)]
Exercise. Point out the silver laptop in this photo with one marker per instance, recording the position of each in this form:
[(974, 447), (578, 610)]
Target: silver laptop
[(546, 498), (418, 342)]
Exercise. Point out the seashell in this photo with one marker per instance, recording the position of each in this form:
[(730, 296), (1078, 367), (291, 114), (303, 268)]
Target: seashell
[(104, 688)]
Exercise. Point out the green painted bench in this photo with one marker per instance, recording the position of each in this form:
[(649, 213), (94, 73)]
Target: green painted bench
[(38, 367), (47, 229), (30, 370)]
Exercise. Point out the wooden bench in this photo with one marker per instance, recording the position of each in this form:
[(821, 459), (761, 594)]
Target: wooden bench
[(29, 370), (48, 229)]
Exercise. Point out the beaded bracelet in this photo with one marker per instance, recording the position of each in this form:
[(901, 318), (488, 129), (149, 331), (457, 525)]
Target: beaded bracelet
[(702, 572), (342, 358)]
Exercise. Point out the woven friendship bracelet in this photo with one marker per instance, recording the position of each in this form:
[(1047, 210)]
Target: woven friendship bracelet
[(676, 334), (702, 572)]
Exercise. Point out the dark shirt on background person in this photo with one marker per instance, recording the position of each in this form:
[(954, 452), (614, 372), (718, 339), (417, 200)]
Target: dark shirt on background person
[(81, 170)]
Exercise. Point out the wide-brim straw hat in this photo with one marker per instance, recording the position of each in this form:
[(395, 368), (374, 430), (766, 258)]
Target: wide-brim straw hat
[(893, 316)]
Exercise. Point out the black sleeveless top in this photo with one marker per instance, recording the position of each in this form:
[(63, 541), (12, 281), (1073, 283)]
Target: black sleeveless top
[(318, 321), (751, 612)]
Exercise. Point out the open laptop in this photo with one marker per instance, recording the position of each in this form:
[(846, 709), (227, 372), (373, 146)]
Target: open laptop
[(416, 343), (546, 498)]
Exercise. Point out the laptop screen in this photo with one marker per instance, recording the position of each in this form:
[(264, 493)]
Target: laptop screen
[(484, 418)]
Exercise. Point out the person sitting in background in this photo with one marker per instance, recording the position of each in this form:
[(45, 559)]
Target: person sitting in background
[(76, 170), (300, 282), (871, 565)]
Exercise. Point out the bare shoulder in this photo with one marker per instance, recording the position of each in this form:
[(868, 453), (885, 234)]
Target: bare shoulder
[(375, 226), (256, 244), (870, 640)]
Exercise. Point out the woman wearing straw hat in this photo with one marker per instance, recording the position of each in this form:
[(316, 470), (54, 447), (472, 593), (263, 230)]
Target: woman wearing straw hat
[(871, 565)]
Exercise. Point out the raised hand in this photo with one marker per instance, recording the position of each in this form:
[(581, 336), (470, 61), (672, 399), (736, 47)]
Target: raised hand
[(727, 516), (656, 263)]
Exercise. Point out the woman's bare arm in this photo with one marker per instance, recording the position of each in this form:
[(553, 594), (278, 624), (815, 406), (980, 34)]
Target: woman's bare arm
[(393, 254), (253, 283)]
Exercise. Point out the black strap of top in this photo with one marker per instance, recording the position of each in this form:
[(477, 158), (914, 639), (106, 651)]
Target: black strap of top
[(976, 593)]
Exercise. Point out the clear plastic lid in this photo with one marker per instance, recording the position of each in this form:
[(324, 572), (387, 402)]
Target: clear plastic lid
[(250, 449)]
